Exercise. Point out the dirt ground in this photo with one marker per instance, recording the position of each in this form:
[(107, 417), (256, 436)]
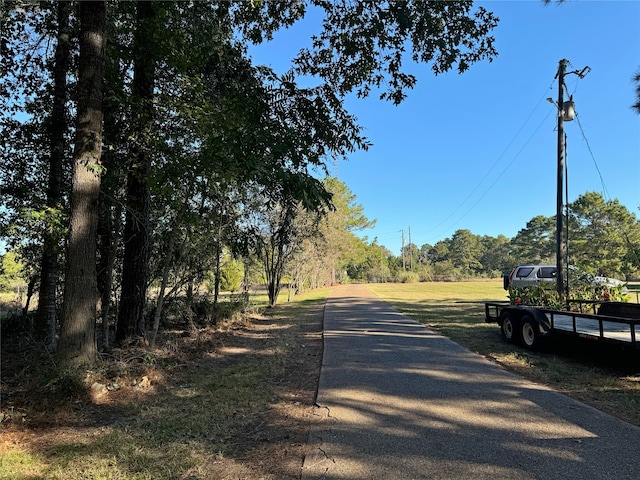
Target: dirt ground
[(272, 447)]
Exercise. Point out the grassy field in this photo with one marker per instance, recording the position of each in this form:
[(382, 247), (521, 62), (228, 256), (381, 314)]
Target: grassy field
[(604, 377), (456, 309), (236, 401)]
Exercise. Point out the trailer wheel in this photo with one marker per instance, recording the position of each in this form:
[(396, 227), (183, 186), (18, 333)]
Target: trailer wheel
[(530, 332), (508, 327)]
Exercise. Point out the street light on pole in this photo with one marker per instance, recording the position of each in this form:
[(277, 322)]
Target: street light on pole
[(566, 112)]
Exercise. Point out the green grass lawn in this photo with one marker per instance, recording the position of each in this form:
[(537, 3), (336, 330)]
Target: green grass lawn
[(208, 404), (456, 309), (213, 395)]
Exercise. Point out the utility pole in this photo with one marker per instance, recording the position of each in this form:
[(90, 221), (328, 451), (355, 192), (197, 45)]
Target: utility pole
[(402, 249), (410, 251), (565, 112), (561, 248)]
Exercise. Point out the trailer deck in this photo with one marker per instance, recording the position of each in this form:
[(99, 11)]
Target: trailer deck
[(616, 329), (608, 328)]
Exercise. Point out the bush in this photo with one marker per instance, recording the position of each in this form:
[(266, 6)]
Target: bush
[(202, 312), (13, 322), (231, 274), (407, 277)]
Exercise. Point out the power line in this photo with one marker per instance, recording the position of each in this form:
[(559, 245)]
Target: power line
[(501, 174), (584, 137), (493, 166)]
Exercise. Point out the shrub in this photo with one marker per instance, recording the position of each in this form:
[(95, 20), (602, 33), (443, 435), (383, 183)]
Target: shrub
[(407, 277), (231, 274)]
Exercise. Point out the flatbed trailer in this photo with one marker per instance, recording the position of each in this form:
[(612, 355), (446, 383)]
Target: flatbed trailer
[(611, 322)]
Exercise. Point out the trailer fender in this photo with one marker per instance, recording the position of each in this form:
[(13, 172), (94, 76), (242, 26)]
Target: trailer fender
[(541, 318)]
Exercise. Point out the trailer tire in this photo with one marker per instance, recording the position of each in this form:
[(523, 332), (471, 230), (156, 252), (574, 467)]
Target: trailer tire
[(530, 332), (508, 327)]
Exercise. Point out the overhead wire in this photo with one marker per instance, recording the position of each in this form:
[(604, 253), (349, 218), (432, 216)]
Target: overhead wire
[(605, 192), (504, 170), (586, 141), (493, 166)]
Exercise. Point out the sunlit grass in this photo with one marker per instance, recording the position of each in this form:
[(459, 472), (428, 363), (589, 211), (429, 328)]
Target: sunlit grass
[(259, 297), (162, 439), (489, 290), (456, 309), (19, 463), (201, 416), (199, 420)]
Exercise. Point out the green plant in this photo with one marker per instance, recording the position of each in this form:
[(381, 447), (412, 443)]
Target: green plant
[(546, 295), (69, 383), (407, 277), (543, 295), (12, 415), (231, 274)]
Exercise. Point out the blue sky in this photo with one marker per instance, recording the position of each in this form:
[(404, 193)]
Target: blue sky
[(478, 151)]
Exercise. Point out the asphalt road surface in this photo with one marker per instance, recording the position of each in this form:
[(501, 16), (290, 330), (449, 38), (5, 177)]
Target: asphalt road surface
[(402, 402)]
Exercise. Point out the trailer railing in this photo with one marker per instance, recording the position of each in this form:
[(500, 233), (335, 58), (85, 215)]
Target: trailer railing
[(606, 328)]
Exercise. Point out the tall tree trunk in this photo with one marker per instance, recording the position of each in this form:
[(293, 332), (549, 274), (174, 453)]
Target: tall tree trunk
[(77, 334), (46, 315), (157, 314), (273, 259), (131, 317), (113, 191), (30, 287), (109, 226), (216, 278)]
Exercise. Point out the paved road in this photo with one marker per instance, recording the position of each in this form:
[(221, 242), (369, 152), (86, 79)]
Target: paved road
[(402, 402)]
